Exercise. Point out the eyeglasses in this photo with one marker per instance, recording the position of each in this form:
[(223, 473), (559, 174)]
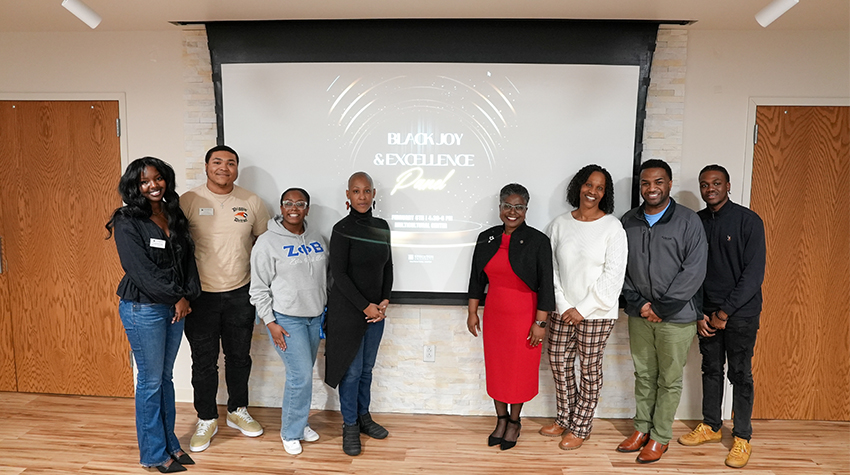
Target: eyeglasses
[(294, 204), (507, 207)]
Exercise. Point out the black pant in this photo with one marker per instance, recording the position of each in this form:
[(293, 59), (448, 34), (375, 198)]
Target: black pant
[(733, 345), (226, 318)]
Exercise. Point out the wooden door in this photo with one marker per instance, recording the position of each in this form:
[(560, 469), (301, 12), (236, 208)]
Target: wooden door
[(800, 188), (7, 347), (61, 164)]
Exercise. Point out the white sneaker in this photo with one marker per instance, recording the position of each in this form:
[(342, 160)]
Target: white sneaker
[(204, 432), (292, 447), (310, 435), (240, 419)]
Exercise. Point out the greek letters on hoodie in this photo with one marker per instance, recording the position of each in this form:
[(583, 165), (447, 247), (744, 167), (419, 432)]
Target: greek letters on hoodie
[(289, 272)]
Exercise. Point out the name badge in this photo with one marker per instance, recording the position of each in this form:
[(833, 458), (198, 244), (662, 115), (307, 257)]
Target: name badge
[(205, 212), (158, 243)]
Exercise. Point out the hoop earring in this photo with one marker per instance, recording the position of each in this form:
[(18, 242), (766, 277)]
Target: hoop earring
[(347, 205)]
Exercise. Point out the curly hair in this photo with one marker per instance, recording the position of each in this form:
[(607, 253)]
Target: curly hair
[(606, 204), (137, 206)]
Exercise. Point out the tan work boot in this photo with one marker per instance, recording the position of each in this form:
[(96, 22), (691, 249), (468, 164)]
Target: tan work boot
[(700, 435), (740, 453)]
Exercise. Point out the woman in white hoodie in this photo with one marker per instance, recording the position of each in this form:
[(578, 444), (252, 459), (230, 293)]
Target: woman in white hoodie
[(289, 277)]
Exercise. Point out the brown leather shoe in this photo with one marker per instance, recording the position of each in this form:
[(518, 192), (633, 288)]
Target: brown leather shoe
[(652, 452), (553, 430), (571, 442), (634, 442)]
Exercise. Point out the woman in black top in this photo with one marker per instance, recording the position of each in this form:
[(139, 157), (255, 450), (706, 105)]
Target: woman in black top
[(160, 278), (362, 269)]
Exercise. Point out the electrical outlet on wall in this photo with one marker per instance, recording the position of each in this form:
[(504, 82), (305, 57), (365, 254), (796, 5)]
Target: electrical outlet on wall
[(429, 353)]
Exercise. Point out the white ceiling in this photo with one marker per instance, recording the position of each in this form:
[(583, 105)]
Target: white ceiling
[(134, 15)]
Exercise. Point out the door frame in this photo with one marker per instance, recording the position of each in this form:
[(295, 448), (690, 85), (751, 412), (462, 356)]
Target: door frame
[(83, 96), (755, 102)]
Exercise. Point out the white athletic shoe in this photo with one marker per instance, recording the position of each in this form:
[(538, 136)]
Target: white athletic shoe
[(310, 435), (292, 447)]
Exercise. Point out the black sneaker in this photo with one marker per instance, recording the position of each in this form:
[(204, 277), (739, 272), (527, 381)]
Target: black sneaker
[(372, 428), (351, 439)]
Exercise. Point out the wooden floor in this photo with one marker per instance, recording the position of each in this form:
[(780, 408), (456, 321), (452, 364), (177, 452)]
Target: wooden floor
[(71, 434)]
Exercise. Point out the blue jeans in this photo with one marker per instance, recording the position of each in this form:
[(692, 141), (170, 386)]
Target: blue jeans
[(299, 358), (355, 389), (155, 341)]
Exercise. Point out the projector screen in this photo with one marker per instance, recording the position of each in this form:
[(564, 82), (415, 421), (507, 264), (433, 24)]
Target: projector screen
[(439, 140)]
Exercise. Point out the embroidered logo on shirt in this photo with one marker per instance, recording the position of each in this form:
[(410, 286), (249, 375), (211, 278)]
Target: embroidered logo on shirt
[(240, 214), (312, 247), (310, 252)]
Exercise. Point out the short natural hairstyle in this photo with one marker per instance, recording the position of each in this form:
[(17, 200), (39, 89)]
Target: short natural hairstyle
[(220, 148), (656, 163), (715, 168), (606, 204), (513, 189), (300, 190)]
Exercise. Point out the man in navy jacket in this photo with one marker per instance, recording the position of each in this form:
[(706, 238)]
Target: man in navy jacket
[(732, 305)]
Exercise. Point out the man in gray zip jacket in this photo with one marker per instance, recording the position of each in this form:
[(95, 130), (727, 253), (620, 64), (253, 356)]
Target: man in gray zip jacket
[(664, 274)]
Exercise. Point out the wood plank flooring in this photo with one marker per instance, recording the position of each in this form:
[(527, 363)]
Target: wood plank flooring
[(48, 434)]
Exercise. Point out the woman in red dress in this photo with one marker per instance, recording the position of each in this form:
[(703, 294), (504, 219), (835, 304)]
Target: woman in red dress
[(516, 261)]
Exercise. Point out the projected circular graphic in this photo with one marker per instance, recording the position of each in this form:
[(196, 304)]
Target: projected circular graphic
[(429, 141)]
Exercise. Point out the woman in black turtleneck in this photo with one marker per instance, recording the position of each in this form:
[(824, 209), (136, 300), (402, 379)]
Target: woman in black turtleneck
[(362, 269)]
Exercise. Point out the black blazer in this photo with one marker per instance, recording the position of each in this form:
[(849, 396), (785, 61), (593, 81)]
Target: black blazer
[(530, 255)]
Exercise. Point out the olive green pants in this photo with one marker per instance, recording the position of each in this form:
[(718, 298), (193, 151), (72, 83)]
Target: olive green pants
[(659, 352)]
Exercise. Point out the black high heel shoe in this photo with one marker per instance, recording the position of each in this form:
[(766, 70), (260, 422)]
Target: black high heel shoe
[(173, 467), (493, 441), (508, 444), (184, 459)]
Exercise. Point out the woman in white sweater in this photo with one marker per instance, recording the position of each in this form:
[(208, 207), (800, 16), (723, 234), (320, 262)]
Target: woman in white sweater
[(589, 252)]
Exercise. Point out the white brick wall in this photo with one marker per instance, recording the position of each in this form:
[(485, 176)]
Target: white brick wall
[(454, 383), (199, 125), (665, 102)]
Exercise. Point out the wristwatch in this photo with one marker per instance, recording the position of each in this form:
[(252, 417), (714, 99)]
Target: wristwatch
[(541, 323)]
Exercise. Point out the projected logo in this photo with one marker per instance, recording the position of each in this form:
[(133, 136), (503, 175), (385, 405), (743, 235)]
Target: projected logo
[(430, 142)]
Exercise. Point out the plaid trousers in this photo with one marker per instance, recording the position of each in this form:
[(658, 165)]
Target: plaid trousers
[(576, 405)]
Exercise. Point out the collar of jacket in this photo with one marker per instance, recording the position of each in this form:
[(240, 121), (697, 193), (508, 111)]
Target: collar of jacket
[(723, 209), (520, 231), (668, 214)]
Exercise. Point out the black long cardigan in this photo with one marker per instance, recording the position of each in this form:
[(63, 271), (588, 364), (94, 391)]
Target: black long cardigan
[(362, 270)]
